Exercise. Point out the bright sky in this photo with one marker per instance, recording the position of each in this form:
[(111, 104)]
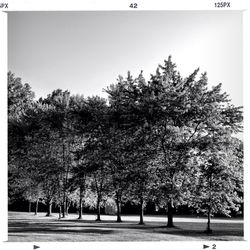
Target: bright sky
[(84, 52)]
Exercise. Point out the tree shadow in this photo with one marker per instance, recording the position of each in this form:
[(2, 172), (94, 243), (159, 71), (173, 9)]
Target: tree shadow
[(49, 230), (218, 229), (67, 226)]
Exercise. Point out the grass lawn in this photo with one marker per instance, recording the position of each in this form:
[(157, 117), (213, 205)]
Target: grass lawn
[(28, 227)]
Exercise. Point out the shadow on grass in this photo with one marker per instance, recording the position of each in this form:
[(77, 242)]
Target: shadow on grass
[(50, 230), (56, 226)]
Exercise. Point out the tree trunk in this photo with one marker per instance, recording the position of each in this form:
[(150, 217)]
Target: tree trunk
[(141, 211), (170, 215), (64, 183), (60, 211), (64, 208), (98, 209), (29, 206), (209, 206), (208, 221), (36, 210), (118, 205), (49, 208), (80, 202), (80, 207), (67, 207)]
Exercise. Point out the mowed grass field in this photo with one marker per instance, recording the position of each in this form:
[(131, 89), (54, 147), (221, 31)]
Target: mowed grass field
[(24, 227)]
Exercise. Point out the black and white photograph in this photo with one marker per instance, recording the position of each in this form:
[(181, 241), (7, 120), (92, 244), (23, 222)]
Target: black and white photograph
[(125, 126)]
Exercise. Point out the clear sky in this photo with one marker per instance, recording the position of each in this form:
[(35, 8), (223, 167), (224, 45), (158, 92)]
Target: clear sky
[(84, 52)]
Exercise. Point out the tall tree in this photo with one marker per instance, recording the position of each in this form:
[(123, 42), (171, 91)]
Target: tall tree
[(130, 115), (218, 178), (20, 98), (91, 114), (60, 122), (183, 112)]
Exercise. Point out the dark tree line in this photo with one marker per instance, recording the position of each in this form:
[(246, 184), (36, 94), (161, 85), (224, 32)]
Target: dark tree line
[(169, 140)]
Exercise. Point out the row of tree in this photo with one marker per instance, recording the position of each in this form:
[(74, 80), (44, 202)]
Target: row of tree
[(169, 140)]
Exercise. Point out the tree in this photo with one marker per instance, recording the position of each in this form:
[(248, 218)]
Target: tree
[(139, 149), (19, 96), (128, 152), (92, 117), (183, 112), (42, 152), (218, 178), (58, 117)]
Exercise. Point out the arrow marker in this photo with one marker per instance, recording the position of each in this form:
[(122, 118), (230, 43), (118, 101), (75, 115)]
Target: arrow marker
[(205, 246), (35, 247)]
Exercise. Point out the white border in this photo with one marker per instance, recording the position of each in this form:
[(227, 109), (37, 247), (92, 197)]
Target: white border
[(3, 125), (77, 5), (60, 5), (246, 104)]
